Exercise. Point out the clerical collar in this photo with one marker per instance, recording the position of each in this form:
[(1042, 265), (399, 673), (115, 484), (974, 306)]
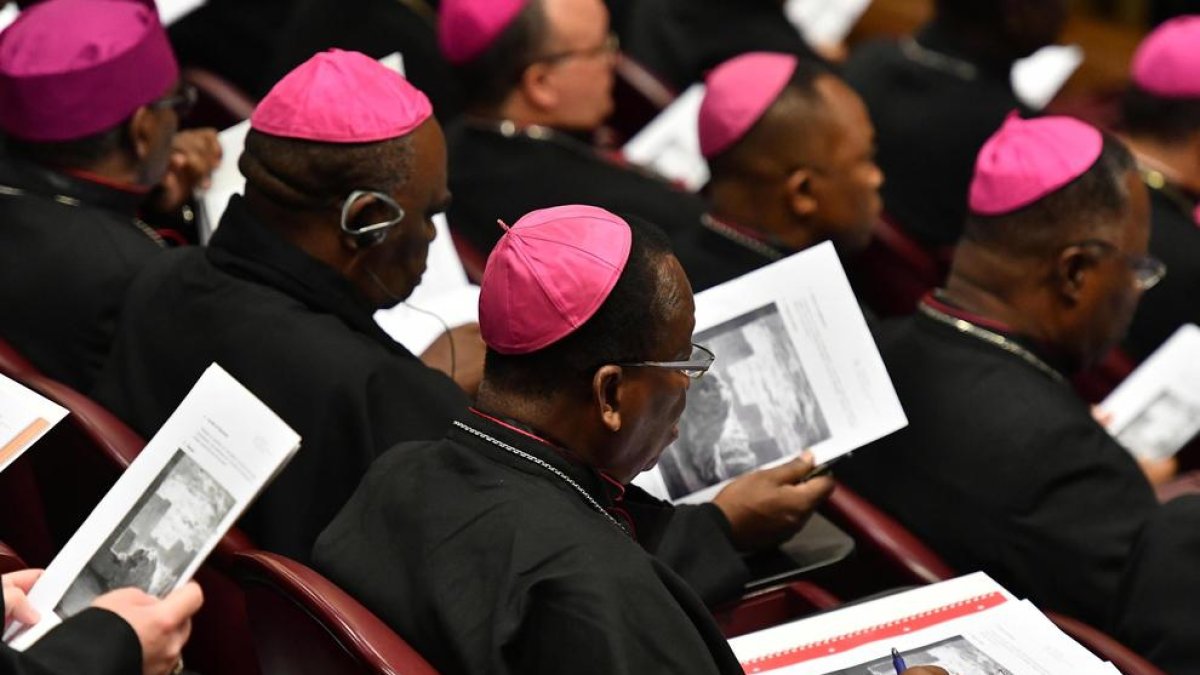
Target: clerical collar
[(20, 178), (936, 307), (601, 491), (745, 237)]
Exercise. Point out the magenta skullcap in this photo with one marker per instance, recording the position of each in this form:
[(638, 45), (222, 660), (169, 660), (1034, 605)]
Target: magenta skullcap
[(1027, 160), (73, 68), (738, 92), (341, 97), (466, 28), (549, 274), (1167, 63)]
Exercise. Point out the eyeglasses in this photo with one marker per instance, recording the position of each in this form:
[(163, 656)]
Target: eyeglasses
[(611, 45), (695, 367), (181, 101), (1147, 270)]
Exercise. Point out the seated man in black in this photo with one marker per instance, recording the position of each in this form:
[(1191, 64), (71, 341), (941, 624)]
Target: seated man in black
[(1018, 479), (936, 97), (516, 544), (791, 150), (538, 76), (1162, 127), (89, 103)]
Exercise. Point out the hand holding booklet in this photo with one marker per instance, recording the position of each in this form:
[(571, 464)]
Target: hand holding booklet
[(169, 509), (965, 626), (796, 369)]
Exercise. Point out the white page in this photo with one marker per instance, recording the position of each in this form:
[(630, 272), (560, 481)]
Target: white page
[(964, 625), (1156, 410), (670, 143), (825, 22), (169, 509), (8, 14), (25, 416), (1039, 77), (797, 368), (170, 11)]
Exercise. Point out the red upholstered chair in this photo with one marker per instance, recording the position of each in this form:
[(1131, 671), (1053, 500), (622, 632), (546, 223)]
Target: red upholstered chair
[(638, 97), (762, 610), (1096, 383), (1103, 646), (473, 260), (9, 560), (305, 625), (895, 271), (221, 104)]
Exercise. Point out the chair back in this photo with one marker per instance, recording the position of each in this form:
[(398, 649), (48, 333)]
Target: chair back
[(305, 625), (638, 97), (9, 560), (895, 271), (220, 104), (1104, 646)]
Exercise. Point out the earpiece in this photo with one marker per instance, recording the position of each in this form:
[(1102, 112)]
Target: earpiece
[(370, 235)]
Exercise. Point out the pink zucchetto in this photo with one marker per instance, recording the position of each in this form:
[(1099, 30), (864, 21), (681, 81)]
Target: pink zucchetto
[(1167, 63), (466, 28), (738, 92), (74, 68), (341, 97), (549, 274), (1027, 160)]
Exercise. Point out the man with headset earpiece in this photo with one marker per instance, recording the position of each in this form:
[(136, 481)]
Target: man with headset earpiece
[(345, 166)]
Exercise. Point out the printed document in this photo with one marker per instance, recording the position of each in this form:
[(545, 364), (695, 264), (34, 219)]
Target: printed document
[(169, 509), (1156, 410), (825, 22), (670, 143), (25, 416), (966, 626), (796, 369)]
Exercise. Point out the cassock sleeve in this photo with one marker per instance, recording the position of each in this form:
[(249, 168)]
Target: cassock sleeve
[(93, 642), (1076, 513), (697, 545)]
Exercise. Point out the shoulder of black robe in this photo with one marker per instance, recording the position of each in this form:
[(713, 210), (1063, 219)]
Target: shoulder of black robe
[(299, 337), (681, 40), (929, 127), (68, 251), (486, 562), (376, 28), (1158, 615), (93, 642), (1175, 240), (493, 176), (711, 259), (1003, 469)]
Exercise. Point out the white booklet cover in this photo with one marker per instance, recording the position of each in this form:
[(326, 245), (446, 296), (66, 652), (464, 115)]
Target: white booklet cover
[(670, 143), (1039, 77), (169, 509), (797, 369), (25, 416), (1156, 410), (825, 22), (966, 626)]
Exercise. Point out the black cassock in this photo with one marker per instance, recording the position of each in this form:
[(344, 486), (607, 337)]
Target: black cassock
[(487, 562), (93, 642), (69, 248), (933, 110), (681, 40), (1003, 469), (298, 336), (712, 253), (1175, 301), (497, 176)]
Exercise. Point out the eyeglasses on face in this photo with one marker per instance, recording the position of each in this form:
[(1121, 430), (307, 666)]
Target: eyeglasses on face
[(1147, 270), (695, 367), (181, 101), (611, 45)]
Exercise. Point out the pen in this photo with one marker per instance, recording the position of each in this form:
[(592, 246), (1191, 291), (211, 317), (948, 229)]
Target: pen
[(898, 662)]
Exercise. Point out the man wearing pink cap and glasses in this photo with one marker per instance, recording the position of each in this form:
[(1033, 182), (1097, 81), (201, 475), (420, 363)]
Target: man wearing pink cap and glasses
[(90, 103), (516, 544)]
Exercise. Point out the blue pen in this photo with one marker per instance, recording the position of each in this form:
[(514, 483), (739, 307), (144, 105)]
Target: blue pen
[(898, 662)]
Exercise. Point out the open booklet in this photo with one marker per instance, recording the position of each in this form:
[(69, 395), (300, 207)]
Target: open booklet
[(1156, 410), (25, 416), (967, 626), (796, 369), (670, 143), (169, 509)]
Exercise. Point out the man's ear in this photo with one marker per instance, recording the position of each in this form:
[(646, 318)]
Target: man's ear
[(363, 212), (607, 388), (1073, 272), (143, 133), (800, 195), (536, 88)]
